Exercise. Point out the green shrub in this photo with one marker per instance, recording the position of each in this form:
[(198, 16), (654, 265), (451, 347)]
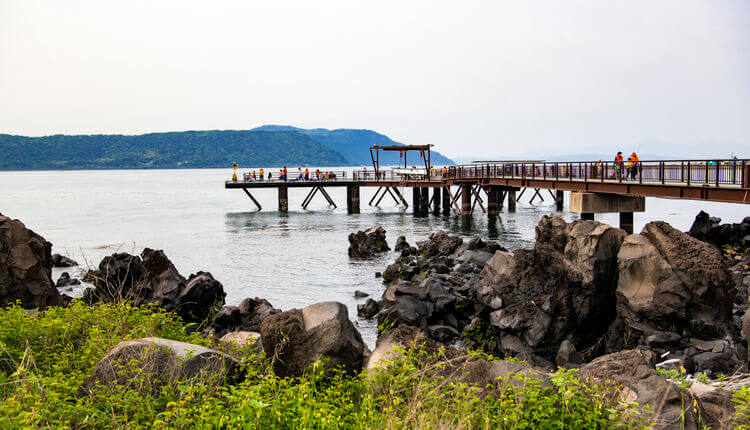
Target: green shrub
[(46, 357)]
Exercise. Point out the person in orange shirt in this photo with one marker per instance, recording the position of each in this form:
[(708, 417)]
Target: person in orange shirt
[(635, 168), (307, 174)]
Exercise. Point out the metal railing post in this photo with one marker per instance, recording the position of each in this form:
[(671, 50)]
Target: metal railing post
[(717, 172), (706, 181)]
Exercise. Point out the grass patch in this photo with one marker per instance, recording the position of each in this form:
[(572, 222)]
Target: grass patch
[(45, 357)]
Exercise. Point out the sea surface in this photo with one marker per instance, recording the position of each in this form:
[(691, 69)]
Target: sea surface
[(292, 259)]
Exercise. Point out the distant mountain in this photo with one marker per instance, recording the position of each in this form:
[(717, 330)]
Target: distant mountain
[(355, 145), (186, 149)]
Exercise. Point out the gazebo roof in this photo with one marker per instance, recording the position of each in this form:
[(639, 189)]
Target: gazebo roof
[(403, 147)]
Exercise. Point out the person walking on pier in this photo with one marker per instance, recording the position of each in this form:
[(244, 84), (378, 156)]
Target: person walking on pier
[(284, 178), (307, 174), (261, 173)]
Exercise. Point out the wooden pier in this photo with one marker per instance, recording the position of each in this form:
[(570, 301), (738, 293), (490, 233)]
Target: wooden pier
[(598, 186)]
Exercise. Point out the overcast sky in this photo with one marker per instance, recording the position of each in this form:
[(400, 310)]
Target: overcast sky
[(476, 78)]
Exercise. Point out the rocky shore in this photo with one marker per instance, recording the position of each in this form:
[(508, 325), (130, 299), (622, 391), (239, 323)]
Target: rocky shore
[(624, 309)]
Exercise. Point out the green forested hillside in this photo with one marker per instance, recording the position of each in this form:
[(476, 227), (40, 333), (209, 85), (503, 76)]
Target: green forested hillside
[(188, 149), (354, 145)]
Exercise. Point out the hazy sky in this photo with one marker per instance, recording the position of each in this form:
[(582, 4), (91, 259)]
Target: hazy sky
[(489, 78)]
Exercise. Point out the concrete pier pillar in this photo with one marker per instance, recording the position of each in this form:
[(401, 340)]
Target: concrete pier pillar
[(424, 201), (493, 194), (352, 199), (588, 204), (415, 195), (436, 201), (283, 198), (626, 221), (511, 200), (559, 198), (446, 200), (465, 199)]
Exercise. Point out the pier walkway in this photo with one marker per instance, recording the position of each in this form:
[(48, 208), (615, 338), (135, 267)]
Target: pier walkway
[(597, 186)]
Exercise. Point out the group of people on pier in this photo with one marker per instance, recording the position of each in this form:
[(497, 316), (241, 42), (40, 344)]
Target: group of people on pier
[(283, 175), (630, 168)]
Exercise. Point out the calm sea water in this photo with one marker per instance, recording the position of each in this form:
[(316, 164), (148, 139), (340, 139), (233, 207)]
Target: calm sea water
[(293, 259)]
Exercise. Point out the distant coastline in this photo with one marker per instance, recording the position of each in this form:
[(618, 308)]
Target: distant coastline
[(264, 146)]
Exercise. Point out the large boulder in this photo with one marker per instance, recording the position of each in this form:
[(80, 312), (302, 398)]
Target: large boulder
[(631, 376), (717, 407), (246, 317), (363, 244), (152, 278), (563, 289), (710, 229), (404, 303), (152, 362), (297, 338), (674, 292), (118, 276), (25, 267), (62, 261), (66, 281), (439, 243)]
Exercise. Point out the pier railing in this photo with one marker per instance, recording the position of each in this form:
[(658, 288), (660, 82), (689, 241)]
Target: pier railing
[(719, 172), (389, 176), (296, 176)]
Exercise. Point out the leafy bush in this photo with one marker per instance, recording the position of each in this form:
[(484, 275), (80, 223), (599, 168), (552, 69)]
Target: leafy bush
[(45, 358)]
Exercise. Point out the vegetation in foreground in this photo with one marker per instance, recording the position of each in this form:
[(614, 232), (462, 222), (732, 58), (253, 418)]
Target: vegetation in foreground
[(45, 357)]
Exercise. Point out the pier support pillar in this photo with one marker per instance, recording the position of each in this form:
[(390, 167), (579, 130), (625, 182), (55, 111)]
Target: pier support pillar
[(511, 200), (436, 201), (559, 198), (465, 199), (415, 197), (424, 201), (283, 198), (626, 222), (588, 204), (352, 199), (446, 200), (493, 194)]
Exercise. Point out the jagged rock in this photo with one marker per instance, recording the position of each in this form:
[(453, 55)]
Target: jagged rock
[(117, 277), (403, 303), (246, 317), (401, 244), (442, 333), (160, 361), (240, 339), (717, 408), (154, 279), (477, 257), (673, 289), (456, 365), (25, 267), (631, 376), (363, 244), (562, 289), (710, 229), (65, 281), (62, 261), (439, 243), (567, 356), (368, 309), (297, 338), (553, 231)]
